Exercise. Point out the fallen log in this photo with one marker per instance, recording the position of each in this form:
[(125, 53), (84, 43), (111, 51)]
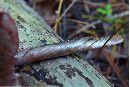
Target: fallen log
[(67, 71)]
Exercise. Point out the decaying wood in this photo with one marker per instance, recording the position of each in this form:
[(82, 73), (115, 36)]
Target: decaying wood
[(68, 71), (62, 49)]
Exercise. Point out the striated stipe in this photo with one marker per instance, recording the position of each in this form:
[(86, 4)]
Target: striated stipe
[(64, 48)]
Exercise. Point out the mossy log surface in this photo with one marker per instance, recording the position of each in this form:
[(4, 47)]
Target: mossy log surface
[(68, 71)]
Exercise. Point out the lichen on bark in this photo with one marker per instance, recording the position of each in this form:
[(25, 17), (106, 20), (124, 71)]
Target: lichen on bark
[(68, 71)]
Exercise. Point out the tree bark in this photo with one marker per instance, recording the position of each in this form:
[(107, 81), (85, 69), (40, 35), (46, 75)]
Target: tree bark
[(67, 71)]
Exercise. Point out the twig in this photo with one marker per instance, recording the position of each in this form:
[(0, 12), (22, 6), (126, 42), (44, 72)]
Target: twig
[(79, 21), (58, 15), (84, 29), (111, 37), (67, 9), (110, 59), (95, 4), (122, 14)]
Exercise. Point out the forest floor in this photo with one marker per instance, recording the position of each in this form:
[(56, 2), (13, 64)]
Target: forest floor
[(82, 18)]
